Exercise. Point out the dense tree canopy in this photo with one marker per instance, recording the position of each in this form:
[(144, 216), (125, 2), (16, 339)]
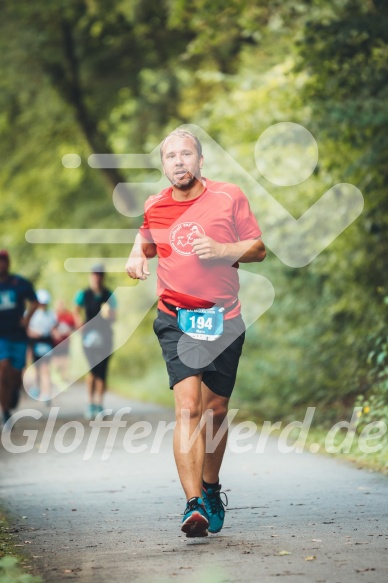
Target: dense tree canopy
[(92, 76)]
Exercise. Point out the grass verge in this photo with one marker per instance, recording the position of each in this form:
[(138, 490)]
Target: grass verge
[(376, 461), (153, 388), (343, 443), (14, 564)]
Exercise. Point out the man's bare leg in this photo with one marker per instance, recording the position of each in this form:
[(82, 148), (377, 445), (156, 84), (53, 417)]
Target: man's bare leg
[(215, 409), (5, 386), (16, 383), (218, 407), (45, 380), (90, 385), (189, 461), (100, 388)]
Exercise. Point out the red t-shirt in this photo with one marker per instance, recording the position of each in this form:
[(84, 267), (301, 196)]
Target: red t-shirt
[(66, 325), (221, 212)]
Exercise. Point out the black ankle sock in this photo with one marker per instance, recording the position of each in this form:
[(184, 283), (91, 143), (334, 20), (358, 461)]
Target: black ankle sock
[(214, 486)]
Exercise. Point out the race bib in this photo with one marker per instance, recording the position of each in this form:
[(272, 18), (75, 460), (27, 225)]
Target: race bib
[(202, 324), (93, 339), (41, 349)]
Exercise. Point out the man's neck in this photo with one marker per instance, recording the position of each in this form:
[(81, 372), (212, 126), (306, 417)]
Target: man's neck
[(193, 192)]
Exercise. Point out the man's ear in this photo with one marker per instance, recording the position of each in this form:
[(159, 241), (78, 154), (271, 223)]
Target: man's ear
[(201, 162)]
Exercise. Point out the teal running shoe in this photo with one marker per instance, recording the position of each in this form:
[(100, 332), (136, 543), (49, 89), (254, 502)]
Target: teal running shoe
[(215, 507), (195, 520), (34, 392), (6, 416), (90, 413)]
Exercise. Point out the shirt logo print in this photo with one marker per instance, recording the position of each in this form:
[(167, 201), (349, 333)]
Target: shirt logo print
[(182, 237), (7, 300)]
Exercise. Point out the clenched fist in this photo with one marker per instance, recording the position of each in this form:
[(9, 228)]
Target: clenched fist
[(207, 248)]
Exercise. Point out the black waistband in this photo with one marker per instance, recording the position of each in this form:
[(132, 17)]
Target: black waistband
[(173, 308)]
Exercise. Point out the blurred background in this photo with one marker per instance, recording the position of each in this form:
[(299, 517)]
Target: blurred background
[(98, 76)]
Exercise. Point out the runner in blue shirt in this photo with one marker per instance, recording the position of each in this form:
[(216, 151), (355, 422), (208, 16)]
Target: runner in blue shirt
[(15, 291)]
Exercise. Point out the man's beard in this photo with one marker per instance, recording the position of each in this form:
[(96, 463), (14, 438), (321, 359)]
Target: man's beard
[(187, 184)]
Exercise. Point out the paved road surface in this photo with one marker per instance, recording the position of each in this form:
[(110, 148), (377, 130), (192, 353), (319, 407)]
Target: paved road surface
[(118, 519)]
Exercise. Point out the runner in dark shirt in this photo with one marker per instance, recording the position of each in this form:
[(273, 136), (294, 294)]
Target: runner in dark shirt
[(15, 291), (99, 305)]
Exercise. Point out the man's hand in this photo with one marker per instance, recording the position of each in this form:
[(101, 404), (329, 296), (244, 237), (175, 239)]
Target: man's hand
[(207, 248), (32, 333), (137, 267), (247, 251), (137, 264), (25, 320)]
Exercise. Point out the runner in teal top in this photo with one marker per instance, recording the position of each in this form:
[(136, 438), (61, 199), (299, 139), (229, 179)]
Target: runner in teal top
[(99, 306), (15, 292)]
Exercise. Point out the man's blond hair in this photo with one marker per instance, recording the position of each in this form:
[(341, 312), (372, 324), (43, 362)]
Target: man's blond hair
[(183, 134)]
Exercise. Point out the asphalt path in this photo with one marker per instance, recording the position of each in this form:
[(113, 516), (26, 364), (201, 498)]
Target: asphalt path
[(294, 517)]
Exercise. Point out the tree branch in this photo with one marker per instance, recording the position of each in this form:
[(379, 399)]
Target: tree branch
[(73, 93)]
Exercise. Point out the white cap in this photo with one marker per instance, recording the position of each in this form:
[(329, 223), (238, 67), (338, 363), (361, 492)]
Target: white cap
[(43, 296)]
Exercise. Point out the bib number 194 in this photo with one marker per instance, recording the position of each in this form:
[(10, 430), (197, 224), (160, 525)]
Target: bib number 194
[(202, 324)]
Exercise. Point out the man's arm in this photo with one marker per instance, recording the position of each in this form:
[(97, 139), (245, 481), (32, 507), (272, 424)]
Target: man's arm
[(108, 313), (32, 306), (78, 308), (249, 251), (77, 313), (137, 264), (109, 309)]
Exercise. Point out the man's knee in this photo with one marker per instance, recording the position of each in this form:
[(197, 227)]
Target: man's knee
[(188, 398), (188, 405), (217, 408)]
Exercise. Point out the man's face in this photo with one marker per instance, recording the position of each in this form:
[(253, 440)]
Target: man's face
[(181, 163), (96, 279), (4, 265)]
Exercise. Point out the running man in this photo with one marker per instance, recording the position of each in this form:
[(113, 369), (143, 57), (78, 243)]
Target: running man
[(41, 331), (15, 292), (66, 326), (200, 230), (99, 306)]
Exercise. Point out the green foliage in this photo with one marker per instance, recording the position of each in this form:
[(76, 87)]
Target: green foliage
[(97, 76), (345, 55), (10, 572), (374, 400)]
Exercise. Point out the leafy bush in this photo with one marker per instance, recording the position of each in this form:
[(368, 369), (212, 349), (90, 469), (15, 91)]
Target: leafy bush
[(374, 401), (10, 572)]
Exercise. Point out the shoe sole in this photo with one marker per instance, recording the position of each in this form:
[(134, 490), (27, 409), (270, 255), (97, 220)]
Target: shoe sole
[(195, 526)]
